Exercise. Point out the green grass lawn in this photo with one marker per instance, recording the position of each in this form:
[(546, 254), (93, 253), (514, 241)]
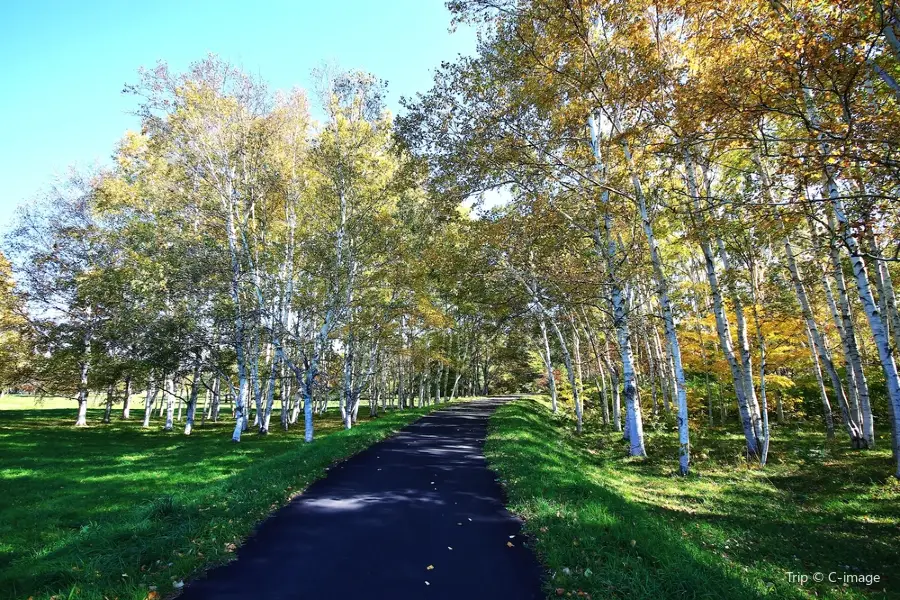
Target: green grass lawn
[(607, 526), (106, 511), (26, 402)]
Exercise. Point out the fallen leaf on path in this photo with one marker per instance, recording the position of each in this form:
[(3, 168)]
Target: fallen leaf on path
[(426, 583), (449, 548), (430, 568), (510, 544)]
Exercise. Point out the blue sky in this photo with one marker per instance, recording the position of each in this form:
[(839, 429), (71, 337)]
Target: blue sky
[(65, 63)]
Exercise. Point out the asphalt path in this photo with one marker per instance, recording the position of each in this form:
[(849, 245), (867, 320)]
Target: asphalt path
[(419, 515)]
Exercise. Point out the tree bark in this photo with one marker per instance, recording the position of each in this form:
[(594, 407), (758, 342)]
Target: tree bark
[(873, 315), (170, 403), (847, 332), (662, 291), (548, 363), (269, 398), (660, 358), (240, 401), (600, 379), (126, 402), (84, 367), (634, 420), (853, 430), (149, 399), (817, 370), (761, 342), (570, 371), (192, 400), (872, 312), (722, 325), (614, 383), (884, 285), (107, 413), (743, 345)]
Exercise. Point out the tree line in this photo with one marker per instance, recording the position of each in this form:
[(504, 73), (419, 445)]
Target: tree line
[(240, 252), (700, 218), (699, 190)]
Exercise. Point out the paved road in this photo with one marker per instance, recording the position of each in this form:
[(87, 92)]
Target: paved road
[(371, 529)]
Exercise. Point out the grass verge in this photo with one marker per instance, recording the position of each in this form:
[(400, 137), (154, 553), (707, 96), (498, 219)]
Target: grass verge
[(108, 511), (606, 526)]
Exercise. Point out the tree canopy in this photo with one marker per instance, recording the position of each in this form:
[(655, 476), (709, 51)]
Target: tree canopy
[(700, 219)]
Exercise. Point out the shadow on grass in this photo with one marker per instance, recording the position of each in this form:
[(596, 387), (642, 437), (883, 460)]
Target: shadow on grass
[(627, 529), (109, 510)]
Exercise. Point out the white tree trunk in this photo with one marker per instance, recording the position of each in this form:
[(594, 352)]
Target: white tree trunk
[(634, 420), (662, 290), (653, 376), (269, 398), (662, 362), (743, 346), (851, 425), (285, 393), (149, 399), (761, 342), (192, 400), (347, 391), (240, 401), (216, 400), (126, 404), (600, 379), (614, 383), (873, 315), (823, 393), (548, 363), (885, 287), (722, 326), (570, 371), (170, 403), (107, 412), (853, 396), (84, 367), (81, 419), (860, 409), (579, 406)]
